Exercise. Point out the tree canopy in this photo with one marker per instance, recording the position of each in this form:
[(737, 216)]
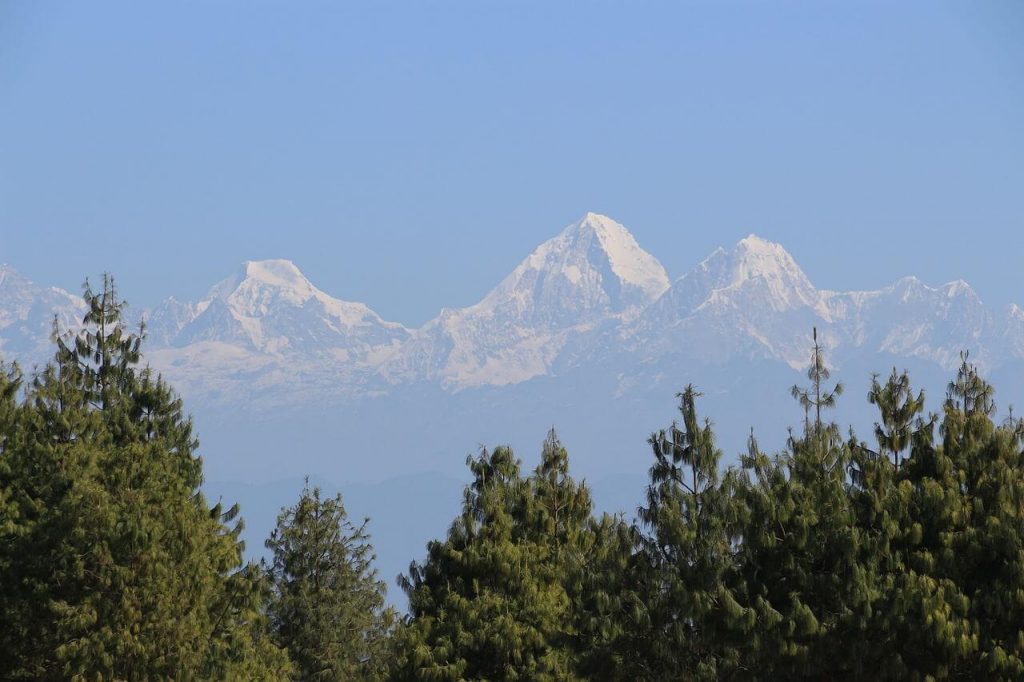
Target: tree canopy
[(114, 565)]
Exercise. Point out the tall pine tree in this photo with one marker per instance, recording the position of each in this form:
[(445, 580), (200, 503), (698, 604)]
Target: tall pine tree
[(327, 605), (798, 550), (498, 599), (693, 618), (122, 570)]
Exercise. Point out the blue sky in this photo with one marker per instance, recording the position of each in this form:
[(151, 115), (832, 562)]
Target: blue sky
[(410, 154)]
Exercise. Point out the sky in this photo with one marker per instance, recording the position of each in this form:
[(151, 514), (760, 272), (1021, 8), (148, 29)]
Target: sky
[(409, 155)]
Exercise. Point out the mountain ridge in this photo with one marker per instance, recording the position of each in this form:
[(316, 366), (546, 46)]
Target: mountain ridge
[(589, 296)]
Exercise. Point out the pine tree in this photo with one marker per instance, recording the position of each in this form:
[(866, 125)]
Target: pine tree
[(123, 570), (881, 494), (498, 598), (898, 408), (987, 540), (327, 605), (817, 396), (799, 552), (946, 531), (692, 614), (608, 608), (19, 621)]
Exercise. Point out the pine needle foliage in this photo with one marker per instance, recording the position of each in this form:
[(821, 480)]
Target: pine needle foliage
[(499, 598), (327, 605), (115, 568)]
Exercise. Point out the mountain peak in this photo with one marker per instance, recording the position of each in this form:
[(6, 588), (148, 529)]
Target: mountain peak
[(276, 272), (595, 218), (752, 241), (594, 263), (755, 246), (755, 269), (11, 277), (590, 273), (270, 306), (757, 257), (628, 261), (278, 275), (959, 288), (601, 225)]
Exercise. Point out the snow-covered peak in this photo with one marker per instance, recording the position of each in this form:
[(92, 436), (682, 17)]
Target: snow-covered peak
[(755, 257), (271, 306), (593, 267), (11, 280), (628, 261), (260, 279), (263, 287), (756, 274), (27, 313), (593, 272), (276, 272), (959, 288)]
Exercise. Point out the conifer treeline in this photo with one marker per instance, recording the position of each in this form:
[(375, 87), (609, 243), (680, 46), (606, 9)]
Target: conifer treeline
[(832, 559)]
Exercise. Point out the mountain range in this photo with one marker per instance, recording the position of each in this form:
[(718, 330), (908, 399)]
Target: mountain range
[(590, 297)]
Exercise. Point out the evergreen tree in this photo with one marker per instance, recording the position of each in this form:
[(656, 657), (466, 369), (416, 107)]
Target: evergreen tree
[(799, 552), (898, 408), (121, 570), (985, 553), (497, 599), (816, 396), (693, 617), (946, 537), (558, 523), (609, 608), (327, 606), (19, 621)]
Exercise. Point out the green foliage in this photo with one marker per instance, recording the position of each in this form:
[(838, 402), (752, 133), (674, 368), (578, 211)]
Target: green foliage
[(898, 407), (327, 606), (686, 591), (495, 600), (114, 567), (817, 396)]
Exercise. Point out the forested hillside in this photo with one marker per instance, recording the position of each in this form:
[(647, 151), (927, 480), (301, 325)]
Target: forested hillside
[(892, 555)]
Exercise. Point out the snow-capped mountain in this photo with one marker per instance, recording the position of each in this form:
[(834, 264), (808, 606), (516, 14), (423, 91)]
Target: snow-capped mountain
[(268, 330), (27, 313), (593, 272), (752, 302), (910, 319), (165, 322), (756, 303), (589, 299), (1013, 334), (270, 307)]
